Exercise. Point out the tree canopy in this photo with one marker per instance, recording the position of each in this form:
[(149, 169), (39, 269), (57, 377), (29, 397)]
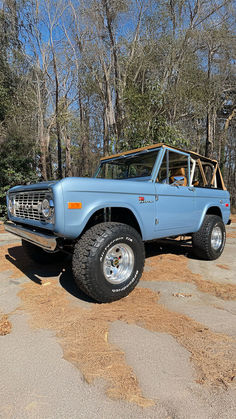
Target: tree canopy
[(82, 79)]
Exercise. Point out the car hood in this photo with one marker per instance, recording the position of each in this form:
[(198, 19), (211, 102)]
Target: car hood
[(90, 185), (33, 186), (105, 185)]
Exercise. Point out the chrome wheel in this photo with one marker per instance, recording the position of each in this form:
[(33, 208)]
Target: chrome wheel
[(216, 238), (118, 263)]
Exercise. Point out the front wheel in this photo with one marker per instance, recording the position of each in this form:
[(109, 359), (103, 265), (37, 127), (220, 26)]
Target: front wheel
[(209, 241), (108, 261)]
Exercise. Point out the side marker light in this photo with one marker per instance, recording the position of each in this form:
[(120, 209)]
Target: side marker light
[(74, 205)]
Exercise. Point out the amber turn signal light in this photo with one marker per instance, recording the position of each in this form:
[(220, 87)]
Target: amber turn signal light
[(74, 205)]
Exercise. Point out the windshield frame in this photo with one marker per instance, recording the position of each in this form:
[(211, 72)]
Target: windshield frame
[(128, 156)]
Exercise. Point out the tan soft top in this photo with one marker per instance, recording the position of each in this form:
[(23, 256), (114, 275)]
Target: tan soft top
[(149, 147)]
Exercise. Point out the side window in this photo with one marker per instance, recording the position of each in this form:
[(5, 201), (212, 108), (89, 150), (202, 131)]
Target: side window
[(162, 175), (209, 173), (205, 175), (178, 169), (139, 170), (197, 177), (174, 169)]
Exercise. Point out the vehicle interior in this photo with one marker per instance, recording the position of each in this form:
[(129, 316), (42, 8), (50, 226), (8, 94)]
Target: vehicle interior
[(178, 167), (203, 174)]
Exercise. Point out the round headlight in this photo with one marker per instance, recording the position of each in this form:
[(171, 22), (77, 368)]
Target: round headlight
[(46, 209), (11, 206)]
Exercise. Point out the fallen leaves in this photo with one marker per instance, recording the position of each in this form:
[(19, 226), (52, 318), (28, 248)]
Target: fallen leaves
[(174, 268), (5, 325)]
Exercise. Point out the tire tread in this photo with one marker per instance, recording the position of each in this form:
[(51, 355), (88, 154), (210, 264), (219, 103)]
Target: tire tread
[(84, 251), (201, 242)]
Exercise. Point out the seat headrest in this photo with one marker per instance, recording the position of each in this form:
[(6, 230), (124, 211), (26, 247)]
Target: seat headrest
[(179, 172)]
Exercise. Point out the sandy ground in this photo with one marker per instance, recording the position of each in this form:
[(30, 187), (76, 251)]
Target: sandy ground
[(168, 350)]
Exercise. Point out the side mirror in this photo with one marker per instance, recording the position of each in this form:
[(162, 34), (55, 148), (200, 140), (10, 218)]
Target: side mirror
[(176, 183)]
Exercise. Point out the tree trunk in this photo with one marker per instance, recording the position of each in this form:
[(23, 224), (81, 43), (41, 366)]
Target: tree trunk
[(105, 135), (49, 163), (118, 112), (209, 133), (41, 136), (210, 120), (84, 153), (43, 152), (58, 127), (68, 155)]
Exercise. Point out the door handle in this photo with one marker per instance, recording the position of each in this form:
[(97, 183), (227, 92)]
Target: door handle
[(191, 188)]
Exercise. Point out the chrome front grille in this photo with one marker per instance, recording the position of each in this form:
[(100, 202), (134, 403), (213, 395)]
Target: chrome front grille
[(28, 205)]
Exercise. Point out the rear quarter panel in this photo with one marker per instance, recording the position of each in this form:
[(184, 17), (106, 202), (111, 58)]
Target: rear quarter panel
[(207, 198)]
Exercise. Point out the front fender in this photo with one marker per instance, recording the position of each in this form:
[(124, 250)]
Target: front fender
[(96, 194), (75, 220), (114, 204)]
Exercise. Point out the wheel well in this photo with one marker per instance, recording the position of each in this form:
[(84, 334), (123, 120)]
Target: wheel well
[(214, 211), (116, 214)]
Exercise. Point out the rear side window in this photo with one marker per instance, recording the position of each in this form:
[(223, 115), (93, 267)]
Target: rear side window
[(206, 175)]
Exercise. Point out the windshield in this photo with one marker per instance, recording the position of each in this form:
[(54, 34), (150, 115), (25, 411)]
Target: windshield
[(128, 167)]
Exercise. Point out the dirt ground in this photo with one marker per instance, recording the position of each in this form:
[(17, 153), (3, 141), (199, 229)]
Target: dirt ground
[(187, 306)]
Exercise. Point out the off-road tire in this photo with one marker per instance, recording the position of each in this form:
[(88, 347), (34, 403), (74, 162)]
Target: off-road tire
[(89, 256), (201, 240), (38, 255)]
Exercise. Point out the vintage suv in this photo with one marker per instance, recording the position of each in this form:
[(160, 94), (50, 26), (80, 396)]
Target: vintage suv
[(136, 196)]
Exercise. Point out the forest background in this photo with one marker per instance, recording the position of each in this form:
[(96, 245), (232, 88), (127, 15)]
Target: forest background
[(83, 79)]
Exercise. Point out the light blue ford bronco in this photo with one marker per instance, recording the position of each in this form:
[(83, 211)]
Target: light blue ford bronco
[(140, 195)]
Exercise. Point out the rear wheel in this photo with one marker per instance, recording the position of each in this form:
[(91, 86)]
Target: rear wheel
[(37, 254), (108, 261), (209, 241)]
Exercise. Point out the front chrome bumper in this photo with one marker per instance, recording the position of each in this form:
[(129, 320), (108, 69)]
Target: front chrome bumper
[(40, 239)]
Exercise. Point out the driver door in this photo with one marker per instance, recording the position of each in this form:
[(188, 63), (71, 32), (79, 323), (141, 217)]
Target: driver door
[(175, 197)]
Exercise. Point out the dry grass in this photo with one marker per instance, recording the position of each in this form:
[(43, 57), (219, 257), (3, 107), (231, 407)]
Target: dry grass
[(231, 235), (223, 291), (226, 267), (2, 229), (169, 267), (5, 325)]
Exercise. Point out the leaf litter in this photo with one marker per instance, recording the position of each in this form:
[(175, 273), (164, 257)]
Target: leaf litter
[(174, 268), (5, 325)]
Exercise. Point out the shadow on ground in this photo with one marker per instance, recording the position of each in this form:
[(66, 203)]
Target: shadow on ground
[(38, 272), (168, 246), (62, 270)]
